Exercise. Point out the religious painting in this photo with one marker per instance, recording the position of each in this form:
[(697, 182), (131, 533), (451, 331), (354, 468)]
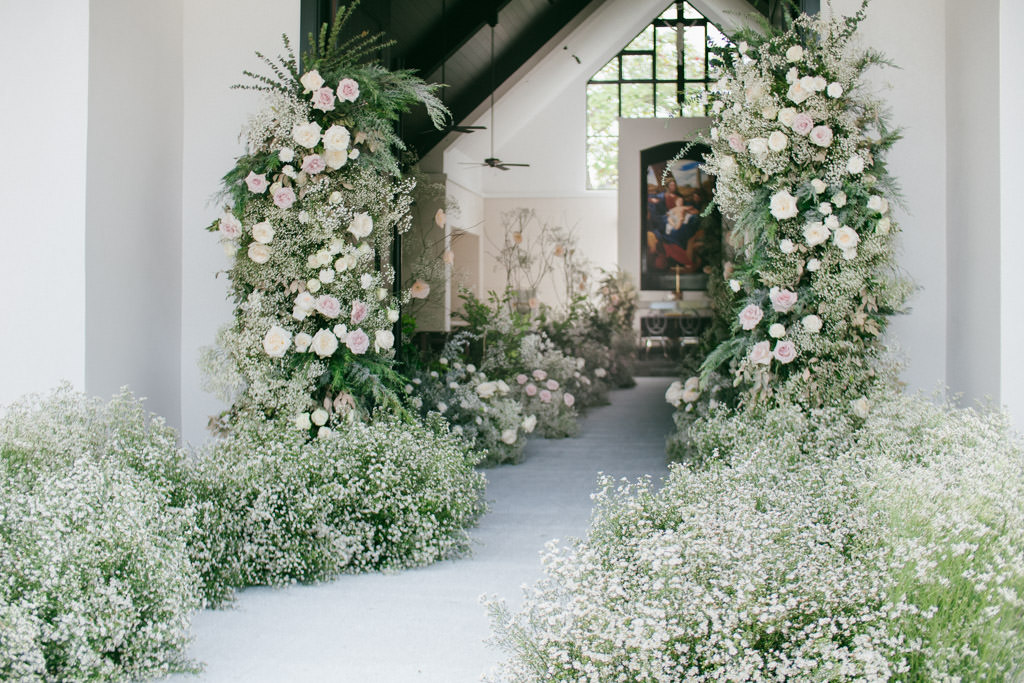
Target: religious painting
[(674, 254)]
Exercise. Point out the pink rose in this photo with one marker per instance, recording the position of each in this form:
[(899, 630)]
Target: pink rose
[(802, 124), (785, 352), (552, 385), (348, 90), (256, 183), (782, 299), (328, 306), (761, 354), (284, 197), (821, 136), (323, 99), (521, 379), (545, 396), (736, 143), (530, 389), (357, 342), (230, 226), (540, 375), (359, 311), (569, 399), (751, 316), (313, 164)]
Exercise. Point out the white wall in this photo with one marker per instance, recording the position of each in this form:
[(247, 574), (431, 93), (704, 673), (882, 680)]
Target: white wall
[(1011, 180), (912, 33), (219, 39), (43, 112), (972, 198), (133, 209)]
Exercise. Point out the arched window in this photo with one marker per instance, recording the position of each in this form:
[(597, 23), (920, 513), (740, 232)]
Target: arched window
[(660, 73)]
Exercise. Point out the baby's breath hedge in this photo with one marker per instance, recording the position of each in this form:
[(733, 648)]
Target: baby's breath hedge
[(111, 535), (382, 495), (95, 579), (807, 547)]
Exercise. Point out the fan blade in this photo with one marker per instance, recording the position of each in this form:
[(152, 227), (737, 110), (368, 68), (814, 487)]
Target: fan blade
[(467, 129)]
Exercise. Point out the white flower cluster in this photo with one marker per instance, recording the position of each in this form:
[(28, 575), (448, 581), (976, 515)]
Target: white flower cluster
[(820, 552), (480, 410), (798, 150), (309, 232), (97, 583)]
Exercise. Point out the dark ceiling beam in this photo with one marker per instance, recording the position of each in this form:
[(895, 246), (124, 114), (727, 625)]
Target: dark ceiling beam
[(516, 52), (464, 18)]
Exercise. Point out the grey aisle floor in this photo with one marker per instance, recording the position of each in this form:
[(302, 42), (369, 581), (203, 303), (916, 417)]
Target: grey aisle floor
[(427, 625)]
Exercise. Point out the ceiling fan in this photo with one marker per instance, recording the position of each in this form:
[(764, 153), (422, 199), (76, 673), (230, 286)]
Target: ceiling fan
[(492, 161)]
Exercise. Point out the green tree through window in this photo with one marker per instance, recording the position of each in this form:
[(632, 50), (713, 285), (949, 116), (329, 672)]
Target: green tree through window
[(661, 73)]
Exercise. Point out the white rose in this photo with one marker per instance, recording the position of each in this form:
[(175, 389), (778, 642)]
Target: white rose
[(884, 225), (311, 80), (825, 209), (383, 340), (769, 111), (815, 233), (726, 164), (793, 54), (306, 134), (777, 331), (341, 332), (839, 199), (861, 407), (792, 76), (786, 246), (263, 232), (323, 432), (783, 205), (336, 138), (324, 343), (277, 341), (259, 253), (486, 389), (832, 222), (674, 393), (341, 265), (786, 116), (335, 159), (313, 285), (812, 323), (392, 315), (529, 423), (335, 197), (758, 146), (876, 203), (361, 225), (834, 90), (813, 265), (818, 186), (797, 92), (353, 154), (319, 417), (855, 165), (302, 342), (287, 155), (735, 285), (777, 141), (305, 301), (846, 238), (509, 436), (366, 281), (818, 83), (327, 275), (302, 421)]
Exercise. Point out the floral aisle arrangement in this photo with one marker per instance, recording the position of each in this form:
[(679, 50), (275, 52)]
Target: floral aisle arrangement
[(318, 427), (94, 552), (311, 210), (827, 548), (798, 149), (482, 411)]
